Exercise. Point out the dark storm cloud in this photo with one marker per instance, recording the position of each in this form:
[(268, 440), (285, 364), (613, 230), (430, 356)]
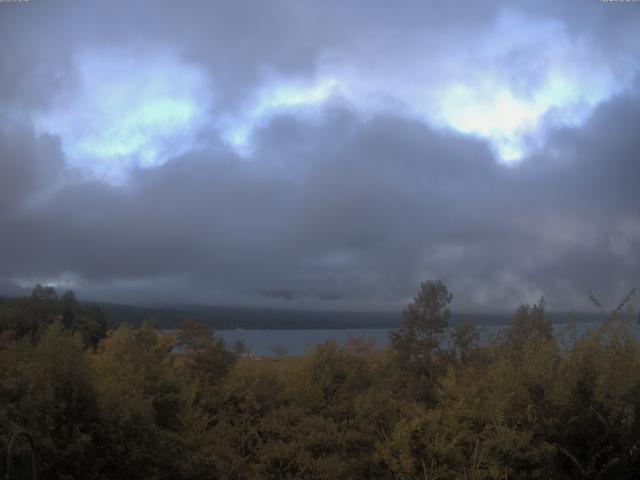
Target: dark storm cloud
[(367, 209), (342, 208), (29, 165), (361, 208)]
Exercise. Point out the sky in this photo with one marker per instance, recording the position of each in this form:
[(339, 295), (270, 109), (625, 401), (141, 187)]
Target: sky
[(322, 155)]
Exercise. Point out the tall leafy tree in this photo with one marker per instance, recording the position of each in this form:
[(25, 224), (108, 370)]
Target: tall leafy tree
[(424, 323)]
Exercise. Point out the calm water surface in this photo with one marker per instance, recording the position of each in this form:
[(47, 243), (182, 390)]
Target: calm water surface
[(296, 342)]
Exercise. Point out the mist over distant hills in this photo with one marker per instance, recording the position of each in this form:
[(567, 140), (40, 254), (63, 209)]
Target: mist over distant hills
[(231, 317), (220, 318)]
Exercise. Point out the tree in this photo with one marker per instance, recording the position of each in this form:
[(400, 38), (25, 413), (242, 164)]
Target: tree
[(529, 323), (31, 316), (208, 358), (91, 323), (48, 389), (465, 337), (425, 320), (140, 398)]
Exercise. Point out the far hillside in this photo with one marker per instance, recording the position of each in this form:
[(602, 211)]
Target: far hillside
[(229, 317)]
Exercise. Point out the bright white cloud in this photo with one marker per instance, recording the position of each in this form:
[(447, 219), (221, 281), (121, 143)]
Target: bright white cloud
[(274, 97), (524, 70), (128, 111), (519, 76)]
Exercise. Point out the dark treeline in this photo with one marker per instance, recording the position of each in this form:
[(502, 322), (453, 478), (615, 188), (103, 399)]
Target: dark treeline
[(122, 404)]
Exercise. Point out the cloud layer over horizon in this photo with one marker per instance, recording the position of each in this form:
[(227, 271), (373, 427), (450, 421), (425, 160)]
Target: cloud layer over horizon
[(321, 155)]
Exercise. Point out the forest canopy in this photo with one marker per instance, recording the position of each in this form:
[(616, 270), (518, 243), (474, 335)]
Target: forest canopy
[(439, 402)]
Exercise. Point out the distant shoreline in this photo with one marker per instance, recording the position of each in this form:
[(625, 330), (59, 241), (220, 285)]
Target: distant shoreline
[(230, 318)]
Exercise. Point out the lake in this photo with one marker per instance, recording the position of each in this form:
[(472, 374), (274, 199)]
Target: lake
[(296, 342)]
